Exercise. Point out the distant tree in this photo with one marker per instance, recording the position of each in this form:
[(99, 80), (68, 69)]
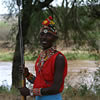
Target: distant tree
[(76, 21), (68, 21)]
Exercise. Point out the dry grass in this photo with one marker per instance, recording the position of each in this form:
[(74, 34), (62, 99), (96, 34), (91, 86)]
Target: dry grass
[(65, 97), (76, 96), (4, 30), (12, 97)]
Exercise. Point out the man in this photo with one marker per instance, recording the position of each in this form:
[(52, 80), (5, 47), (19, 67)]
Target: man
[(50, 67)]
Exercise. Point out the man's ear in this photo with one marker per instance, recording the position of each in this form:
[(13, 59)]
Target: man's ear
[(55, 39)]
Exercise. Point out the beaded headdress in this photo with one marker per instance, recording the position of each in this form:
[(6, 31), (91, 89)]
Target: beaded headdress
[(48, 26)]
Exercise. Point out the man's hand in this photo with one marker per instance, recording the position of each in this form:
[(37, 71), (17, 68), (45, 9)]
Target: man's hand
[(24, 91), (26, 72)]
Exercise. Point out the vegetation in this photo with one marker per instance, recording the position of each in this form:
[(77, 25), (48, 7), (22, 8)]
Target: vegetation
[(70, 93), (4, 30), (82, 56), (74, 94), (75, 55), (3, 24), (7, 90), (4, 89), (9, 94)]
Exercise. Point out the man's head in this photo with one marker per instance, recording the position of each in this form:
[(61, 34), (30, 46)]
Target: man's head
[(48, 33)]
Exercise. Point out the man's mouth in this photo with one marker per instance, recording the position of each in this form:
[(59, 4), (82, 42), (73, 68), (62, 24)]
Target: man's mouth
[(44, 42)]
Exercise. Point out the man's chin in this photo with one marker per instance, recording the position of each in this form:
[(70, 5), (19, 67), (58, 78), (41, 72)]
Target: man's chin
[(45, 47)]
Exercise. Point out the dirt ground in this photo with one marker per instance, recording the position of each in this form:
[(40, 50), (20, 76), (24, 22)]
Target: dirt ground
[(12, 97)]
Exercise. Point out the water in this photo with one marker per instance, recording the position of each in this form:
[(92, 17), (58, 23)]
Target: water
[(81, 72), (76, 70), (5, 73)]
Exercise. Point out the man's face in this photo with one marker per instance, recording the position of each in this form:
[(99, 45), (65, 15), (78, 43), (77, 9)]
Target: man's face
[(46, 40)]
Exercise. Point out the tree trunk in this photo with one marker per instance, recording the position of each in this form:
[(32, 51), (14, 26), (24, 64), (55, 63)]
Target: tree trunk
[(16, 74)]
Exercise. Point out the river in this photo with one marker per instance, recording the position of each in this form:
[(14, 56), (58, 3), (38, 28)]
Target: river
[(76, 70)]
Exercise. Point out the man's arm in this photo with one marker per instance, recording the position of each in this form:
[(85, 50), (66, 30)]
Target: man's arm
[(30, 77), (58, 77)]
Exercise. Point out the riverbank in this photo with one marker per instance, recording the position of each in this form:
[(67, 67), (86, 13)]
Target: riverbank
[(76, 68), (81, 64), (79, 72), (7, 55), (65, 97)]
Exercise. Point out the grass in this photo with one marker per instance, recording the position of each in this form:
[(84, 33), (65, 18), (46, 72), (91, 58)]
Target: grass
[(9, 94), (3, 24), (3, 89), (4, 30), (82, 56), (69, 93), (30, 57), (8, 56), (6, 90)]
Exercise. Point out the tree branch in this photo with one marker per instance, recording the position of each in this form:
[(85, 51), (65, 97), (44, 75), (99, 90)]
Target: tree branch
[(41, 5)]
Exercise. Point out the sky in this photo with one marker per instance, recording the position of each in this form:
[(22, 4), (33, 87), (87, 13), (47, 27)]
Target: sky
[(3, 10)]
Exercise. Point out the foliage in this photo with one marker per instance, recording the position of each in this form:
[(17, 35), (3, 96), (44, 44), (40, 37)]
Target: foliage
[(12, 33), (3, 24), (83, 90), (7, 56), (77, 24), (97, 81), (33, 31), (82, 56), (4, 29), (81, 93), (32, 56), (3, 89)]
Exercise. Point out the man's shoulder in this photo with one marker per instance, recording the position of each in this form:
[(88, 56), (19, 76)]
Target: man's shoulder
[(60, 56)]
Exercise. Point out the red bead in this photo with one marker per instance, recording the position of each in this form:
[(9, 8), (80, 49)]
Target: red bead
[(50, 17)]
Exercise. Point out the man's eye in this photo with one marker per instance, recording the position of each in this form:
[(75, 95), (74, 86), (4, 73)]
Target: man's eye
[(41, 33), (49, 34)]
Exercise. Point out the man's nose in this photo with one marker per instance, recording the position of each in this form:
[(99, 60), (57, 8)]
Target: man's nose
[(45, 35)]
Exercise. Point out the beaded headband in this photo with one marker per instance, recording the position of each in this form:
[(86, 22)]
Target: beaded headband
[(48, 26)]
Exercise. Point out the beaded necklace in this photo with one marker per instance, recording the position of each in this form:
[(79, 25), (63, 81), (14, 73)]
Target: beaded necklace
[(44, 56)]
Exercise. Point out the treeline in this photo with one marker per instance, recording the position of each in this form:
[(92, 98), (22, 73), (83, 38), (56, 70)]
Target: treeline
[(76, 25)]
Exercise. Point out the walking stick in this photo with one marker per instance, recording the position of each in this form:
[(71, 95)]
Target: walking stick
[(21, 47)]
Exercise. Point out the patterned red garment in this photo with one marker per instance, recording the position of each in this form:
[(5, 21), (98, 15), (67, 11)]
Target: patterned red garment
[(45, 77)]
